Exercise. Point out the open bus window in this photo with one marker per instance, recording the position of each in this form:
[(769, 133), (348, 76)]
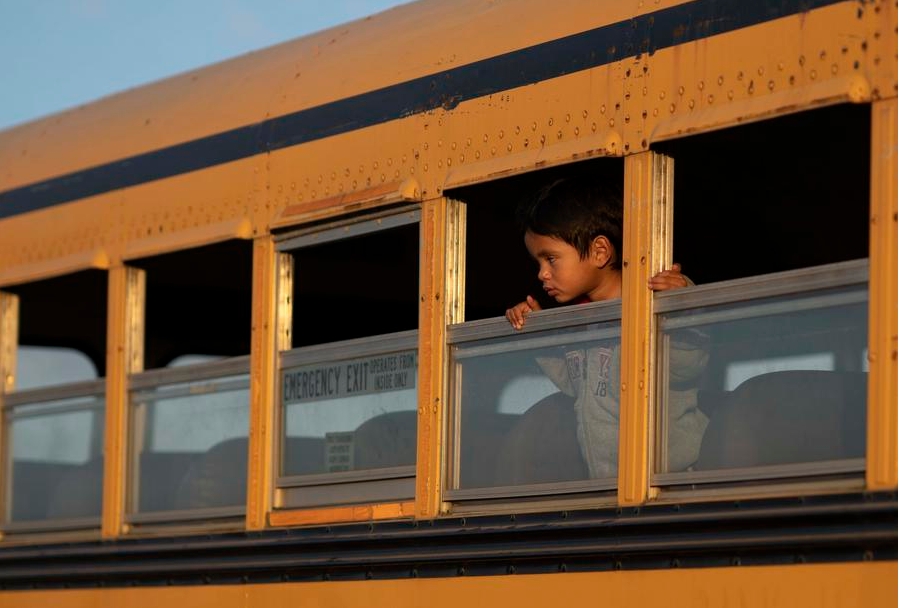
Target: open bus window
[(365, 284), (349, 385), (782, 311), (54, 415), (775, 195), (499, 271), (190, 408), (519, 422)]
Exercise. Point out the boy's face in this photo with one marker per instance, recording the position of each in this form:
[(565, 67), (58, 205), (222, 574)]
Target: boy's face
[(564, 274)]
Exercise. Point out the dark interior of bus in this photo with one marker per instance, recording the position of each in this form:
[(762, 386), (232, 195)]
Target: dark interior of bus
[(356, 287), (68, 311)]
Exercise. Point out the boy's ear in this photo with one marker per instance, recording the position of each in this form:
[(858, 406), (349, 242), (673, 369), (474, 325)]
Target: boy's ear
[(601, 251)]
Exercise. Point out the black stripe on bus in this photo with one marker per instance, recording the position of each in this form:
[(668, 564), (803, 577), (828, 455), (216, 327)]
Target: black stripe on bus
[(780, 531), (600, 46)]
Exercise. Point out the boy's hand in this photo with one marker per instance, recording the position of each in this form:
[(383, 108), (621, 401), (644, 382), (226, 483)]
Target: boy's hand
[(669, 279), (517, 314)]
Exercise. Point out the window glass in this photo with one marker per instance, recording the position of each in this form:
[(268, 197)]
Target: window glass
[(350, 415), (57, 461), (537, 408), (784, 382), (192, 452)]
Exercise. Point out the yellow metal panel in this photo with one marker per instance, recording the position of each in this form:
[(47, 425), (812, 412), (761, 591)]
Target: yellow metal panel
[(442, 288), (353, 513), (647, 249), (882, 59), (190, 210), (785, 65), (270, 333), (882, 343), (354, 201), (54, 265), (124, 356), (861, 584)]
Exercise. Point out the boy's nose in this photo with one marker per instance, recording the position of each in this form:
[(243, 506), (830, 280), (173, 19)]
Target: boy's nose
[(543, 274)]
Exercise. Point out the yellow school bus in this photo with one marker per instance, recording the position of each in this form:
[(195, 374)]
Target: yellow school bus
[(252, 343)]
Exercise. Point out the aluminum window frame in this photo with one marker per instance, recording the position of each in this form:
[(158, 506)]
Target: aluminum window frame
[(802, 283), (491, 330), (350, 487), (150, 386), (355, 486), (15, 407)]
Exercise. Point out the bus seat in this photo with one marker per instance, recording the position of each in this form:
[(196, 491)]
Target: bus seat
[(159, 475), (304, 455), (542, 446), (482, 435), (787, 417), (216, 478), (77, 493), (387, 440), (31, 485)]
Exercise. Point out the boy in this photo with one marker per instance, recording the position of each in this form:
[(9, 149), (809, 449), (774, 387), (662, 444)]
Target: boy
[(572, 228)]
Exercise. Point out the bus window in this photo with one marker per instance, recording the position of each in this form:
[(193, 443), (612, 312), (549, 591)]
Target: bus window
[(348, 387), (189, 408), (178, 463), (54, 414), (780, 314), (519, 425)]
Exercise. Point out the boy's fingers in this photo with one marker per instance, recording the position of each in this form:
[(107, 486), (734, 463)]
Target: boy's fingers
[(514, 317), (533, 304), (662, 282)]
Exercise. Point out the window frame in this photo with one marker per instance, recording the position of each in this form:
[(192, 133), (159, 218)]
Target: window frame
[(13, 405), (460, 334), (12, 400), (804, 281), (142, 384), (326, 490)]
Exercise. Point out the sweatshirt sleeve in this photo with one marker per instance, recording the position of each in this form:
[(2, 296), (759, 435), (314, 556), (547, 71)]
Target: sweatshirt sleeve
[(556, 369)]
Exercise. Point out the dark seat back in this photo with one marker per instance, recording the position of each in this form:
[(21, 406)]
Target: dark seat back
[(787, 417), (542, 446), (387, 440)]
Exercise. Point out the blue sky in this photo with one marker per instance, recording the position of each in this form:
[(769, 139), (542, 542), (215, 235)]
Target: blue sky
[(55, 54)]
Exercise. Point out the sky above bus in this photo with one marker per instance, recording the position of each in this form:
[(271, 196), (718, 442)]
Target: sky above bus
[(56, 54)]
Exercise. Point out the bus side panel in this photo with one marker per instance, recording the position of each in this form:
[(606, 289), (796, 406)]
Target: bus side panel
[(869, 584)]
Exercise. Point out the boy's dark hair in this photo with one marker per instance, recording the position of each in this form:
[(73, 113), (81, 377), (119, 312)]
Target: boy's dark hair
[(575, 210)]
